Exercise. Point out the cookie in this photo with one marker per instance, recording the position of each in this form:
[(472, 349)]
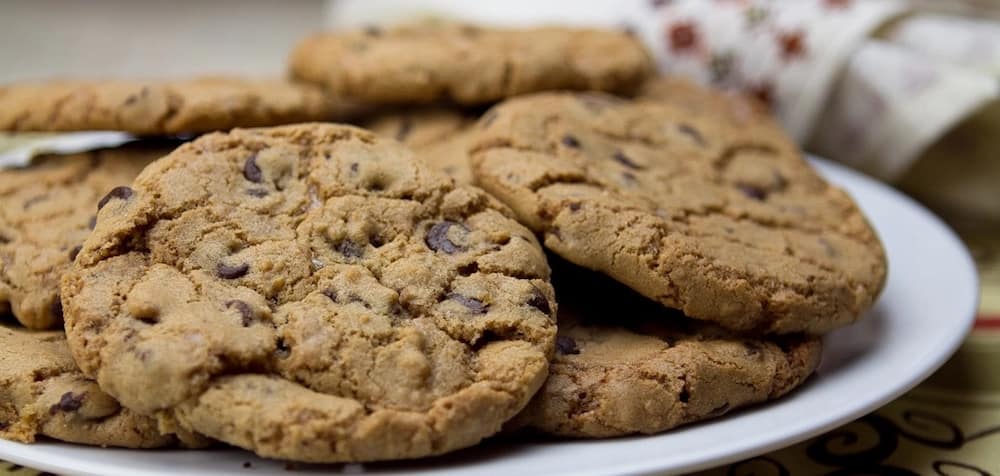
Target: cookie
[(439, 136), (717, 216), (312, 293), (43, 393), (162, 107), (46, 212), (627, 365), (467, 64)]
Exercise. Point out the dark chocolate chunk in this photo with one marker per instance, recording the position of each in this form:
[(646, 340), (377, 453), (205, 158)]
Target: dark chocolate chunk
[(330, 293), (693, 133), (251, 171), (74, 252), (539, 301), (625, 160), (232, 272), (473, 304), (257, 192), (565, 345), (575, 206), (120, 192), (350, 249), (752, 191), (570, 141), (437, 237), (67, 403), (468, 269), (246, 312)]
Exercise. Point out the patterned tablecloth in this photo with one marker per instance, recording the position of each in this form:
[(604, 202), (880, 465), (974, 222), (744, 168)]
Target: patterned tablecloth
[(949, 425)]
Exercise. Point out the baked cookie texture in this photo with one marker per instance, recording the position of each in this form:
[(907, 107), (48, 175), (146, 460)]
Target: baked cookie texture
[(439, 135), (163, 107), (714, 213), (42, 392), (312, 293), (627, 365), (428, 62), (46, 211)]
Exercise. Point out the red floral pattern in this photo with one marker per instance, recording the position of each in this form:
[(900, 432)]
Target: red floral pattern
[(792, 44), (682, 37)]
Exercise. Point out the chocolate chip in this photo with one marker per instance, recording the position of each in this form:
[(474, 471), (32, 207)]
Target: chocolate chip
[(354, 167), (350, 249), (330, 293), (246, 312), (56, 308), (120, 192), (226, 271), (625, 160), (281, 349), (752, 191), (74, 252), (33, 200), (684, 396), (257, 192), (693, 133), (539, 301), (376, 241), (473, 304), (575, 206), (570, 141), (437, 237), (92, 223), (67, 403), (468, 269), (251, 171), (565, 345), (4, 425), (404, 129)]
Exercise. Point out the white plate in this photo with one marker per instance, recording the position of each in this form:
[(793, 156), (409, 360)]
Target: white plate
[(923, 315)]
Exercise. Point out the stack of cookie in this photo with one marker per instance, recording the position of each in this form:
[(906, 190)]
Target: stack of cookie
[(325, 293)]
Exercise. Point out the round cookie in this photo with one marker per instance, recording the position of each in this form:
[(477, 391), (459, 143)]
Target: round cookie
[(428, 62), (160, 107), (42, 392), (312, 293), (718, 216), (625, 365), (46, 211), (439, 136)]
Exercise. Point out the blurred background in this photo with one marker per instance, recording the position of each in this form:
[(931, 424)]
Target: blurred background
[(906, 91)]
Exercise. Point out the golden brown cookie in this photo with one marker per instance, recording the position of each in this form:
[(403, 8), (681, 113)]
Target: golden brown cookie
[(714, 214), (466, 64), (439, 136), (158, 107), (42, 392), (46, 211), (313, 293), (625, 364)]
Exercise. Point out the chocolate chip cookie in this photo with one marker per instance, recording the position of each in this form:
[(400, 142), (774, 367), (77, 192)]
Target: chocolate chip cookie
[(313, 293), (468, 64), (439, 136), (162, 107), (46, 211), (42, 392), (716, 215), (625, 364)]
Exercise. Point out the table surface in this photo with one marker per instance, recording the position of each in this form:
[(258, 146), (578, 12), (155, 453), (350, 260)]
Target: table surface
[(950, 424)]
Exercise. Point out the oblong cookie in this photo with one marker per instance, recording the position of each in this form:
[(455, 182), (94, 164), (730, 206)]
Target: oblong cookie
[(626, 365), (468, 64), (158, 107), (718, 216), (440, 136), (42, 392), (46, 211), (313, 293)]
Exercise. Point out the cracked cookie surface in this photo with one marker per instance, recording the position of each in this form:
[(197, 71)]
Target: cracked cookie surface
[(312, 293), (46, 211), (158, 107), (42, 392), (466, 64), (712, 213), (439, 136), (626, 365)]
